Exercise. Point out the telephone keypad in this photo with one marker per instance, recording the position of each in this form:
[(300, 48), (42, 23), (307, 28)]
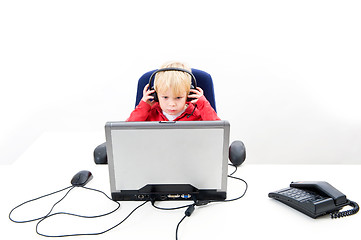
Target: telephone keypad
[(301, 195)]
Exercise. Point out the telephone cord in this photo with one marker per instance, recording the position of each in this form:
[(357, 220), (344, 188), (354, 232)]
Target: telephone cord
[(346, 213)]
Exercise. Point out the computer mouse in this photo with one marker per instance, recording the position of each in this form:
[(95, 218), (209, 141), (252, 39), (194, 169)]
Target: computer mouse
[(81, 178)]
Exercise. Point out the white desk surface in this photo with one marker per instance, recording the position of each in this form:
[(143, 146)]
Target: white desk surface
[(50, 163)]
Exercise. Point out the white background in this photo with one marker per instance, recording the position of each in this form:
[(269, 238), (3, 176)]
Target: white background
[(286, 73)]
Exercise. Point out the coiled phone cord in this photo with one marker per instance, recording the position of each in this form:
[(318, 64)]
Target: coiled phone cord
[(346, 213)]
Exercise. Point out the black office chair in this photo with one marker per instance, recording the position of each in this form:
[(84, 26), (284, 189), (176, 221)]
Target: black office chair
[(204, 81)]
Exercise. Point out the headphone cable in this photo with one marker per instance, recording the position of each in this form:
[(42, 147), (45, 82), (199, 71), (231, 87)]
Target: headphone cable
[(195, 106)]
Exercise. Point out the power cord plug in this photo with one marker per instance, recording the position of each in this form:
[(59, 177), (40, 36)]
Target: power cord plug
[(187, 213), (189, 210)]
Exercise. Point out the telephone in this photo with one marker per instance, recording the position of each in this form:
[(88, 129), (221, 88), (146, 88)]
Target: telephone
[(315, 198)]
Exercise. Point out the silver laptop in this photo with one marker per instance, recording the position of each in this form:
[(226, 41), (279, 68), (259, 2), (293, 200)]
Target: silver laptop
[(183, 160)]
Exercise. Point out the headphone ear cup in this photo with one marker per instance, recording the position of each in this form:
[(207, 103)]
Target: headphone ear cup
[(155, 97), (190, 99)]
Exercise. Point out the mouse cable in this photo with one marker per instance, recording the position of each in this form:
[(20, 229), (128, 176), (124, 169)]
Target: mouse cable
[(89, 234), (96, 216), (35, 219), (66, 213), (49, 214)]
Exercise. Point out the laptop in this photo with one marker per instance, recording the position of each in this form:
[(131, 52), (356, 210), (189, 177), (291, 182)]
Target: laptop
[(175, 160)]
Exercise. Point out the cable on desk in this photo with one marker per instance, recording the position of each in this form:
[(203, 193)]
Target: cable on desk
[(245, 190), (187, 213), (235, 170), (176, 231), (35, 219), (49, 214), (173, 208), (237, 178), (191, 207), (90, 234)]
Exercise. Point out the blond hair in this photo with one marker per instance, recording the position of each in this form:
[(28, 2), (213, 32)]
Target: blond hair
[(179, 82)]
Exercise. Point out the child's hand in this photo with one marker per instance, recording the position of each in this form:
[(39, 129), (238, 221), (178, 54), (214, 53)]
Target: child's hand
[(196, 94), (147, 95)]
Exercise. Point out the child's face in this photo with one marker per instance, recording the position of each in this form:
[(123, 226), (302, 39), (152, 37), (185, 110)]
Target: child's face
[(172, 104)]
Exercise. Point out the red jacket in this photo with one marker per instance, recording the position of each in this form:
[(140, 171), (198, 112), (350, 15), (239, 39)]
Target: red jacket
[(200, 111)]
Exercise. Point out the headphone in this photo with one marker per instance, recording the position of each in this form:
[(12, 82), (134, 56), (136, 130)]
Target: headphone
[(155, 95)]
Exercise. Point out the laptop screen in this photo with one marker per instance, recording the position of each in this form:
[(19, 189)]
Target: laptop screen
[(150, 158)]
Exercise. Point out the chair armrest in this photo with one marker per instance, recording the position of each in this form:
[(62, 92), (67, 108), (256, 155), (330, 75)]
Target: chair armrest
[(100, 154), (237, 153)]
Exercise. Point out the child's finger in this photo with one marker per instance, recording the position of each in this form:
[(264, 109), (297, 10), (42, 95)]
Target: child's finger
[(194, 91), (193, 96), (150, 92)]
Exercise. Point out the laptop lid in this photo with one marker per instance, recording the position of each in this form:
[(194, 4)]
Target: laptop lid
[(168, 160)]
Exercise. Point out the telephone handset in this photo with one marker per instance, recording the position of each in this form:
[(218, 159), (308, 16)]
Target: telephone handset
[(315, 198)]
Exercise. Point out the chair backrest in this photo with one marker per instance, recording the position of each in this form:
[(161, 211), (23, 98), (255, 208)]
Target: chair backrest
[(204, 81)]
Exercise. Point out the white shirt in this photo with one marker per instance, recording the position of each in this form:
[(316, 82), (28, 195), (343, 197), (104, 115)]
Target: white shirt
[(172, 117)]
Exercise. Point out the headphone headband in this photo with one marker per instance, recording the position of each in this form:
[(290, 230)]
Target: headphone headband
[(172, 69)]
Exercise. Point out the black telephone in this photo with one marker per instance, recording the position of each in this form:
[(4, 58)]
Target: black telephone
[(315, 199)]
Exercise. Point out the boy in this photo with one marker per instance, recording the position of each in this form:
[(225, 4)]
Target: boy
[(173, 88)]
